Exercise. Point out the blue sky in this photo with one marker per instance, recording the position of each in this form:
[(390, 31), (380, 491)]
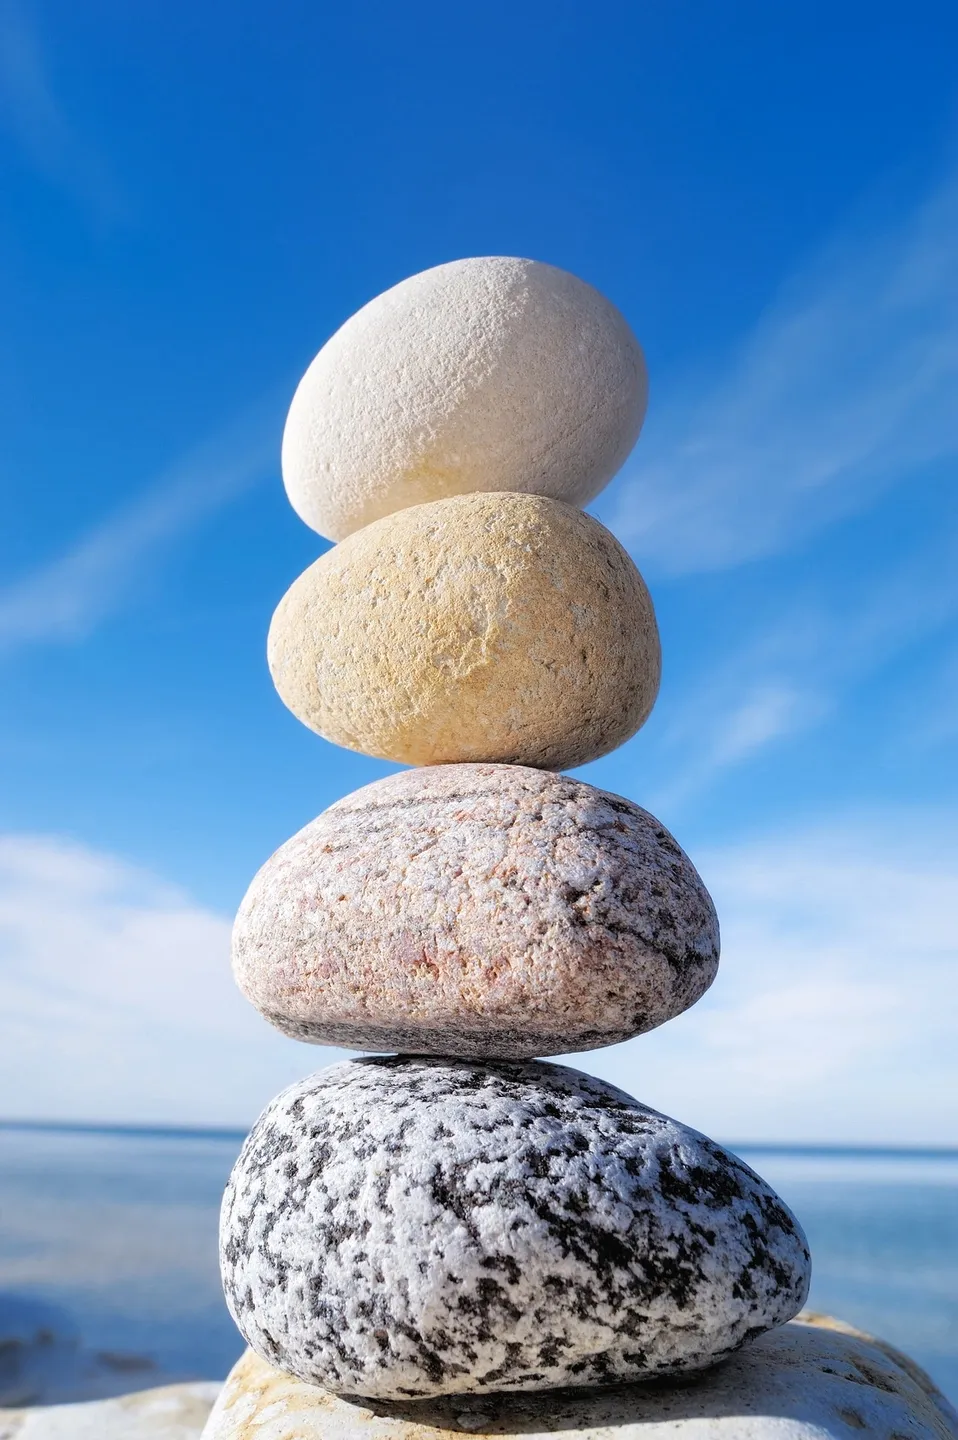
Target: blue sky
[(195, 198)]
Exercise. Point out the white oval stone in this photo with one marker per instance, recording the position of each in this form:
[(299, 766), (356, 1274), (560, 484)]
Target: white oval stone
[(813, 1379), (408, 1227), (479, 911), (492, 373)]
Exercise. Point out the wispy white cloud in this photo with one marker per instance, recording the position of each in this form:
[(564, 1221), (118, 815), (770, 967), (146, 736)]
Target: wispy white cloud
[(846, 386), (933, 716), (732, 719), (116, 998), (835, 1011), (834, 1015), (803, 659), (35, 117), (67, 597)]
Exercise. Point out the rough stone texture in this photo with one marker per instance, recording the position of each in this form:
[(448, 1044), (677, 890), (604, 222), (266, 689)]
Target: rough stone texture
[(174, 1412), (479, 911), (814, 1379), (412, 1227), (484, 627), (485, 374)]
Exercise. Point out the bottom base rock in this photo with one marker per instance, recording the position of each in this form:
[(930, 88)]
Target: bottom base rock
[(172, 1412), (813, 1379)]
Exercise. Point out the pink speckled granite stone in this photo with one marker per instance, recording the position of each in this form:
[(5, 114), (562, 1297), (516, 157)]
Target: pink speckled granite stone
[(476, 911)]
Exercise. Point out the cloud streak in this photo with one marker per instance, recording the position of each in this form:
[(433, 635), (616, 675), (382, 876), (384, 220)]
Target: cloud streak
[(36, 119), (846, 386), (806, 658), (65, 599), (117, 1001)]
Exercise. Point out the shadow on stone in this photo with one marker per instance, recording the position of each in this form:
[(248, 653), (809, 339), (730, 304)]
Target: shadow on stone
[(810, 1379)]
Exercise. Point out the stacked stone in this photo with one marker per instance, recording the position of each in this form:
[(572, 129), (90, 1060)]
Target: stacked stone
[(458, 1217)]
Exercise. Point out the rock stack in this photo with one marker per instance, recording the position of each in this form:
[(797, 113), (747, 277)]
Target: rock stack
[(459, 1218)]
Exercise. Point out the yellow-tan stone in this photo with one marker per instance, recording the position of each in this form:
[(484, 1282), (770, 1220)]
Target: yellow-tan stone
[(484, 627)]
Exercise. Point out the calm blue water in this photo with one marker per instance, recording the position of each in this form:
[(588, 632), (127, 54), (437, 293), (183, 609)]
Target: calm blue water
[(108, 1272)]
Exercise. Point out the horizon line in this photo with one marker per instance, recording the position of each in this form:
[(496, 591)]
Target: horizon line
[(808, 1148)]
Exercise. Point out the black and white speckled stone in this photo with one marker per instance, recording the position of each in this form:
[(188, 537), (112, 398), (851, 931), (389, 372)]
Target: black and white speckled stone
[(400, 1227)]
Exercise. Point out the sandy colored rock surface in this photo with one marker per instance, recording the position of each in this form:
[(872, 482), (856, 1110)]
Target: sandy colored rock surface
[(476, 910), (806, 1381), (173, 1412), (486, 374), (405, 1227), (486, 627)]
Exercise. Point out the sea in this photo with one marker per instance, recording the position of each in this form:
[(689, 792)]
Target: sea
[(108, 1273)]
